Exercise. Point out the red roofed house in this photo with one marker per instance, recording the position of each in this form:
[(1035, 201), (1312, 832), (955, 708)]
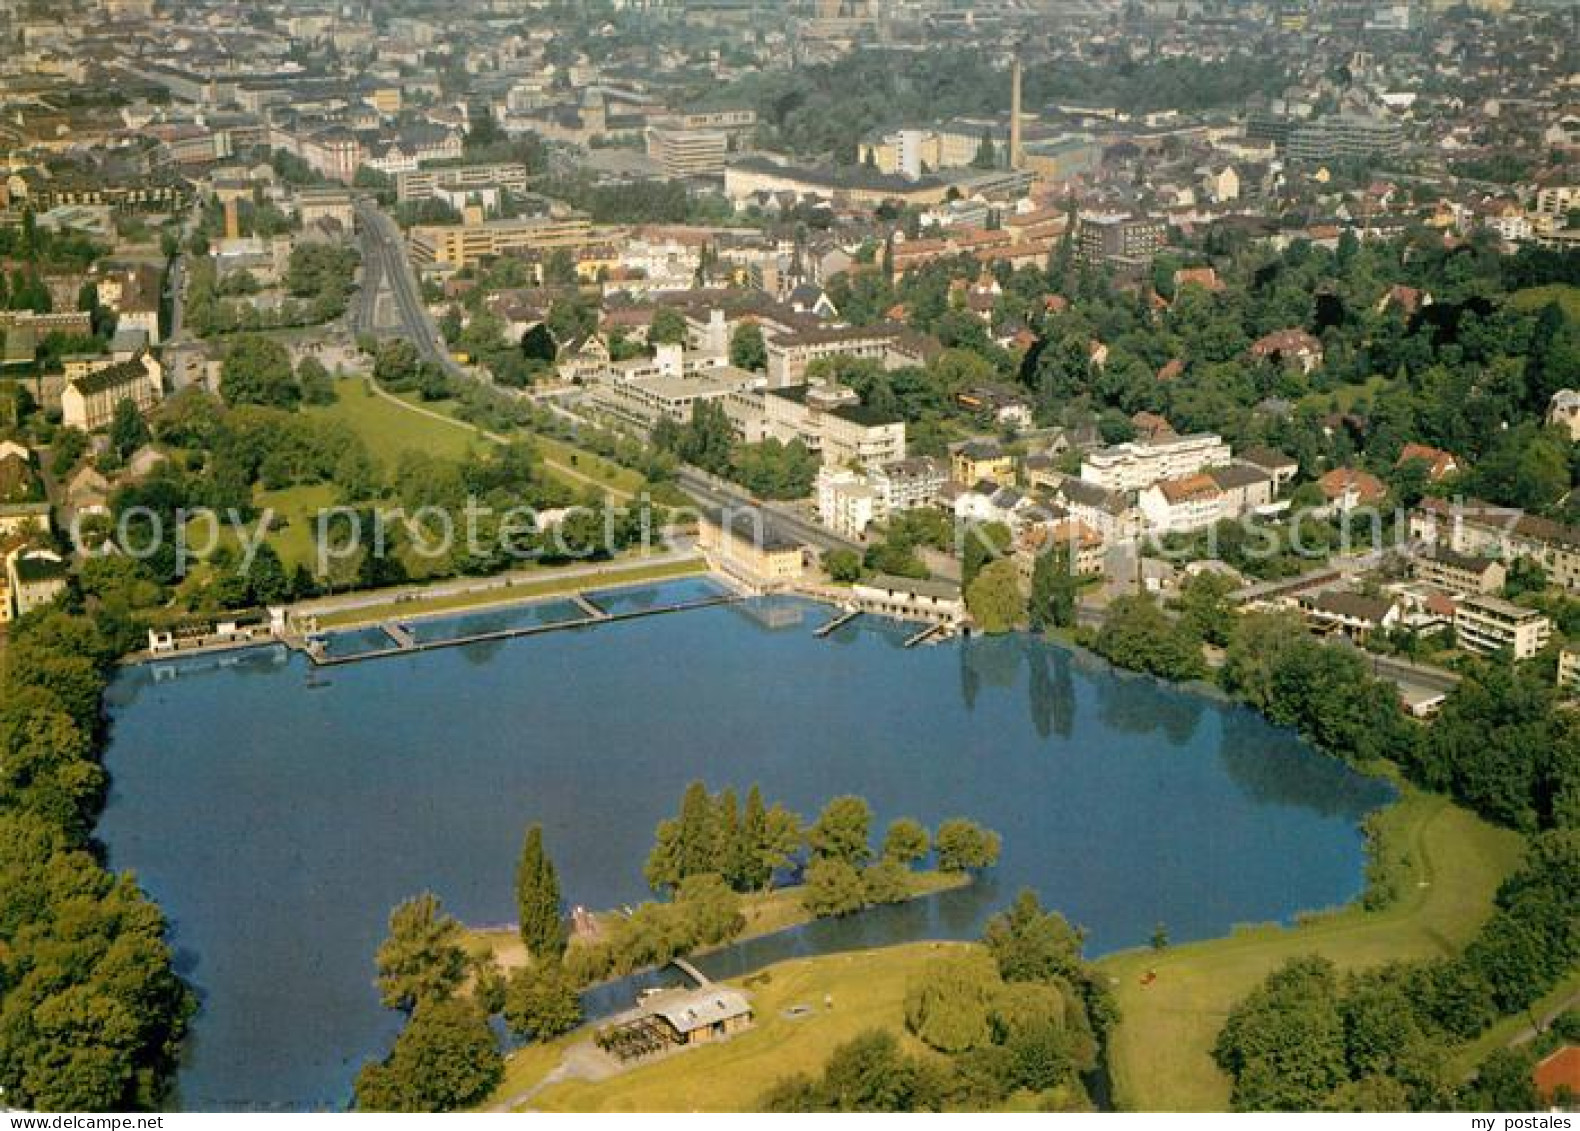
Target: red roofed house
[(1289, 347), (1204, 277), (1557, 1078), (1439, 464), (1349, 487)]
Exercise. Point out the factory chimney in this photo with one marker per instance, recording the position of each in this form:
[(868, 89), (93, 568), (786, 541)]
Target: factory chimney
[(1014, 114)]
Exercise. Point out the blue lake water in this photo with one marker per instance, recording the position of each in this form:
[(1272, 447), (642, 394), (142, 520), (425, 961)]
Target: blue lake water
[(278, 819)]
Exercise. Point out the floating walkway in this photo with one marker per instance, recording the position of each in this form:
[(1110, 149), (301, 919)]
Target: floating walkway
[(837, 623), (399, 633), (932, 634), (405, 644), (593, 611)]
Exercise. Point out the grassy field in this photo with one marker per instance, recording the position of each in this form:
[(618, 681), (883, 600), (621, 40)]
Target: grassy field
[(388, 429), (296, 511), (1160, 1054), (548, 585), (1534, 298), (862, 989)]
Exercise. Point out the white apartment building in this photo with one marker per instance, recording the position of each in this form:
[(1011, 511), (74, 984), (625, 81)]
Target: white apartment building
[(1193, 502), (829, 419), (1136, 466), (1485, 624), (849, 501)]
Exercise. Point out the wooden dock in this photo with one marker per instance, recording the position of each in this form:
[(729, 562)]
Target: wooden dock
[(838, 622), (407, 645), (594, 612), (929, 635), (399, 633)]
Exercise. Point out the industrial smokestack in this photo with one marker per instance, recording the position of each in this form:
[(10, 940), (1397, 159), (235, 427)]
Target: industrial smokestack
[(1014, 114)]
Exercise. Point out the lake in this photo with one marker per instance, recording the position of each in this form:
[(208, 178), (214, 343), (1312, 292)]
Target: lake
[(277, 813)]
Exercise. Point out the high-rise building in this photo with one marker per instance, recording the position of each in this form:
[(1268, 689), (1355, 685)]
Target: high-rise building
[(1341, 137)]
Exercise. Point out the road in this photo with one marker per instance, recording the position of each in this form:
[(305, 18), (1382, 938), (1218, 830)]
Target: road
[(385, 266), (714, 492)]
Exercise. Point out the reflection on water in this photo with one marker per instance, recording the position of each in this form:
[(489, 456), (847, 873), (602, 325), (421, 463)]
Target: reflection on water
[(279, 813)]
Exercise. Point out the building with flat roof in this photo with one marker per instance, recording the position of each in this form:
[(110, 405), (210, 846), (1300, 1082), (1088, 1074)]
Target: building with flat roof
[(1119, 240), (1459, 573), (1135, 466), (688, 153), (906, 598), (1485, 624), (463, 245), (420, 184)]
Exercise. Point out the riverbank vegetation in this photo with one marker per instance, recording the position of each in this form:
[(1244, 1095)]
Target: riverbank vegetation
[(92, 1012), (1500, 746)]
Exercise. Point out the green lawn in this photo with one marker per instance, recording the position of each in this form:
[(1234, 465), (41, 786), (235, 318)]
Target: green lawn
[(865, 989), (296, 511), (550, 584), (388, 429), (1532, 299), (1160, 1054)]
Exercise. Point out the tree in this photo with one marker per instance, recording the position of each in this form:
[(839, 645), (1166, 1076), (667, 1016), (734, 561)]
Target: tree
[(538, 344), (905, 842), (841, 830), (445, 1058), (1052, 603), (541, 1003), (257, 370), (771, 836), (832, 887), (747, 349), (422, 959), (982, 545), (963, 845), (1137, 634), (887, 881), (128, 431), (1283, 1046), (994, 599), (842, 565), (668, 327), (538, 899), (868, 1073), (317, 386), (948, 1004)]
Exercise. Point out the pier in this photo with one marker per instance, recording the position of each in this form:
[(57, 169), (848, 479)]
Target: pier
[(594, 612), (929, 635), (405, 644), (837, 623), (399, 633)]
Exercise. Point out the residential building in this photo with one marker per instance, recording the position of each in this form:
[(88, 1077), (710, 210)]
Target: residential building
[(789, 354), (89, 401), (1292, 347), (999, 404), (1110, 513), (1506, 533), (1346, 488), (848, 501), (1350, 614), (1119, 240), (1279, 467), (1135, 466), (1569, 669), (646, 401), (1486, 624), (973, 462), (1246, 488), (1192, 502), (1564, 410), (1459, 573), (1439, 464), (1556, 1078), (912, 483), (35, 577)]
